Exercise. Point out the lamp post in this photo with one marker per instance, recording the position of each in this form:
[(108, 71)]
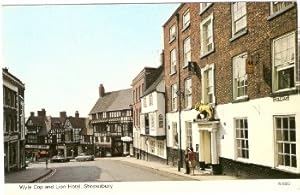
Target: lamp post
[(179, 94)]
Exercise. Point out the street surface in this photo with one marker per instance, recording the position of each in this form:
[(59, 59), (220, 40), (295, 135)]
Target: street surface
[(106, 170)]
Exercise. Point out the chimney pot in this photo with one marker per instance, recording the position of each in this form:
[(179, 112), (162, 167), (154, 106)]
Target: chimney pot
[(101, 90)]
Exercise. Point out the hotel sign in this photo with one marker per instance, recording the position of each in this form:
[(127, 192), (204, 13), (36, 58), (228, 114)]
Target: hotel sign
[(281, 98), (45, 147)]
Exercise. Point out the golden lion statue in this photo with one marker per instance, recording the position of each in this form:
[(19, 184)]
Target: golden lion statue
[(204, 109)]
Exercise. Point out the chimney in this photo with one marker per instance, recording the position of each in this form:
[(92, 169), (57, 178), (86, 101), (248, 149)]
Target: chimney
[(42, 112), (101, 90), (76, 114), (32, 114), (63, 115), (162, 58)]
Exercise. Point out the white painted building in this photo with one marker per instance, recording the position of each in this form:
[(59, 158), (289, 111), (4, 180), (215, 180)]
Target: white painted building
[(152, 117)]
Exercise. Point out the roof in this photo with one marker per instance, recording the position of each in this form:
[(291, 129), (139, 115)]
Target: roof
[(57, 122), (39, 121), (77, 122), (174, 14), (113, 101), (153, 86)]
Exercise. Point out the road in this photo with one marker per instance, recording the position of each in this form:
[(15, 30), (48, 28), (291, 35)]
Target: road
[(106, 170)]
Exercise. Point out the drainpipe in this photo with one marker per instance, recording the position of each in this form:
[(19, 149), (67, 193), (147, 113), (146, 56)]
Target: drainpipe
[(179, 96)]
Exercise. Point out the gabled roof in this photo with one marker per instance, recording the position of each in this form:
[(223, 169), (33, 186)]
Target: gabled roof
[(77, 122), (39, 121), (113, 101), (156, 82), (57, 122)]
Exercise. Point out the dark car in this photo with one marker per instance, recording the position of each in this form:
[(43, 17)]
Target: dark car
[(58, 158)]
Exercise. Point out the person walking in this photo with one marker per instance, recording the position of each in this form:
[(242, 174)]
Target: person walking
[(192, 159), (187, 165)]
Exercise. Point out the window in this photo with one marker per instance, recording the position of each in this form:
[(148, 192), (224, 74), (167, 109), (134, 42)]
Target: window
[(188, 93), (152, 146), (173, 61), (206, 31), (175, 134), (208, 95), (204, 6), (278, 6), (145, 102), (172, 33), (239, 17), (152, 121), (188, 128), (104, 114), (150, 99), (285, 131), (186, 19), (174, 97), (240, 81), (160, 148), (160, 121), (186, 51), (284, 62), (241, 130)]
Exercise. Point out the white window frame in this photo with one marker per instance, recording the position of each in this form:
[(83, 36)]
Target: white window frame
[(187, 55), (241, 138), (152, 146), (188, 93), (145, 102), (285, 64), (160, 148), (173, 61), (172, 33), (204, 6), (240, 76), (240, 18), (205, 26), (152, 121), (174, 89), (150, 99), (285, 6), (160, 121), (189, 133), (205, 92), (285, 144), (174, 131), (186, 20)]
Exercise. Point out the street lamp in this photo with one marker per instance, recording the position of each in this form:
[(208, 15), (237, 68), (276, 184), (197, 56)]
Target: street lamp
[(179, 94)]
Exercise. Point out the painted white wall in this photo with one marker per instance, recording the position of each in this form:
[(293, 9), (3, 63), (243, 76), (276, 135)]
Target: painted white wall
[(261, 138)]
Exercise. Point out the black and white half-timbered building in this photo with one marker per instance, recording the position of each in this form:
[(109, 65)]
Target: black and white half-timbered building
[(111, 119)]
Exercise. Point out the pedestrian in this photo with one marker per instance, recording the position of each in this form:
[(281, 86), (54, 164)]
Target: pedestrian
[(187, 165), (191, 159), (46, 163)]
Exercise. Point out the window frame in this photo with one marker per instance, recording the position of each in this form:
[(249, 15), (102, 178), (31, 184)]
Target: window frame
[(284, 142), (186, 19), (173, 61), (241, 138), (204, 50), (174, 89), (282, 10), (205, 95), (236, 79), (188, 96), (187, 52), (284, 66), (204, 8), (235, 31), (172, 35)]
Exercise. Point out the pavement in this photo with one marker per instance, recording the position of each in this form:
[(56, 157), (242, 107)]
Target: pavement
[(200, 175), (34, 173)]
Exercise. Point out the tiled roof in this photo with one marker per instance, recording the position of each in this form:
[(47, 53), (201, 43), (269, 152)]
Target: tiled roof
[(153, 86), (57, 122), (77, 122), (113, 101), (39, 121)]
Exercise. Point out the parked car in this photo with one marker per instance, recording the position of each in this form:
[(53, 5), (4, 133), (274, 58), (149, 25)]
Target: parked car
[(84, 157), (58, 158)]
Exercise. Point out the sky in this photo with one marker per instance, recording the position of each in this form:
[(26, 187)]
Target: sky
[(63, 52)]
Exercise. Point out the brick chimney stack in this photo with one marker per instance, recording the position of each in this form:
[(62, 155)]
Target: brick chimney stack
[(42, 112), (101, 90), (76, 114), (63, 115), (32, 114)]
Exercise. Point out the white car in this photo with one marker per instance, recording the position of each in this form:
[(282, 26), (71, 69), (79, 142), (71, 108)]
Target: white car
[(84, 157)]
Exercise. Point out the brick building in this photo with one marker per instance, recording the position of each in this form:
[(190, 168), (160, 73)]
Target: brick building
[(139, 84), (242, 65), (13, 121)]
